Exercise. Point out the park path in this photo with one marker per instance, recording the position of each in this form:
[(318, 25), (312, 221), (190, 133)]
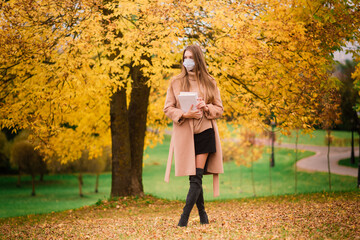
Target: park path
[(318, 162)]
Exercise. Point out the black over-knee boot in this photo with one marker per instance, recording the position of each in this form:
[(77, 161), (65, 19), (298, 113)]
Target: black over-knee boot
[(201, 209), (192, 196)]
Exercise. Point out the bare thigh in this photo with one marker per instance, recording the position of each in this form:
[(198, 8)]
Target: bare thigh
[(200, 160)]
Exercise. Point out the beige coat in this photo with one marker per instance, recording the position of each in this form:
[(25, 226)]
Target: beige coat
[(182, 139)]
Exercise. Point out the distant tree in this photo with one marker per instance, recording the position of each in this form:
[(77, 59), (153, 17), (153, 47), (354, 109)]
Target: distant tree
[(349, 94), (79, 166), (4, 153), (243, 149), (28, 160), (349, 98), (98, 165), (85, 164), (55, 165), (328, 141), (82, 165), (328, 117)]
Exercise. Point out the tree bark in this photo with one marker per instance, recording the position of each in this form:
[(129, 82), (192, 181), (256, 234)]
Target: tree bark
[(296, 159), (97, 183), (137, 122), (80, 184), (18, 184), (128, 128), (121, 154), (328, 156), (33, 185), (252, 177), (81, 179)]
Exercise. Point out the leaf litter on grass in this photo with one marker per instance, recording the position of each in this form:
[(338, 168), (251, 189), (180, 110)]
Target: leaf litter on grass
[(315, 216)]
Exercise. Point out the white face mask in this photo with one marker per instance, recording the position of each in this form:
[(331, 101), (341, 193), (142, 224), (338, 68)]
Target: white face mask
[(189, 64)]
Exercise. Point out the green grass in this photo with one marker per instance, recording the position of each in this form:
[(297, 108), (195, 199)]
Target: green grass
[(318, 137), (55, 193), (236, 182), (346, 162), (60, 192)]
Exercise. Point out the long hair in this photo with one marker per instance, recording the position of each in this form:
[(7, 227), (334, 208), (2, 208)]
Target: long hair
[(202, 76)]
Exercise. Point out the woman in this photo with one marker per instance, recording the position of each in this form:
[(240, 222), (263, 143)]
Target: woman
[(195, 139)]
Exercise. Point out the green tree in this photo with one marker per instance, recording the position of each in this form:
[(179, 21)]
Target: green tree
[(28, 160), (349, 94)]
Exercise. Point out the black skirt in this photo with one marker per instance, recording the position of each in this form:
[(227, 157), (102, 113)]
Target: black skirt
[(205, 142)]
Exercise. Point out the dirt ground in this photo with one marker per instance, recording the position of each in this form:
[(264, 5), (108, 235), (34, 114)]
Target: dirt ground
[(315, 216)]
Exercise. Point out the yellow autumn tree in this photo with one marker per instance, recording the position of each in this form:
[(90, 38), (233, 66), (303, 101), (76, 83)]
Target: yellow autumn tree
[(50, 82), (81, 74), (89, 59), (271, 57)]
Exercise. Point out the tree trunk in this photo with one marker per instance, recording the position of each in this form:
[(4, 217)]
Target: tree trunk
[(352, 158), (81, 179), (33, 185), (18, 184), (296, 158), (328, 157), (121, 154), (358, 178), (270, 177), (252, 178), (128, 128), (240, 179), (97, 183), (80, 184), (137, 122)]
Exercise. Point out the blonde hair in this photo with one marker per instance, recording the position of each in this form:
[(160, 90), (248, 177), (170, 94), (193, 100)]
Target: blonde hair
[(202, 75)]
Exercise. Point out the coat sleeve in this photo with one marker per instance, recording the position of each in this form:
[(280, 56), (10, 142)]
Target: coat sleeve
[(170, 108), (215, 108)]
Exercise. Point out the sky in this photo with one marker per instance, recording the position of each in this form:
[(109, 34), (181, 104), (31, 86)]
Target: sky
[(342, 56)]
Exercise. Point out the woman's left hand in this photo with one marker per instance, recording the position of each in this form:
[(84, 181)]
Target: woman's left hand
[(202, 105)]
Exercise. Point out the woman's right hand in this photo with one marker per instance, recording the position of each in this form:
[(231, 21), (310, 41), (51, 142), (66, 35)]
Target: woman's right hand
[(197, 114)]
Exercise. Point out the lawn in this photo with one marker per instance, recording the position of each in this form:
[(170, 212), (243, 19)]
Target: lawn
[(55, 193), (303, 216), (60, 192), (346, 162), (236, 182)]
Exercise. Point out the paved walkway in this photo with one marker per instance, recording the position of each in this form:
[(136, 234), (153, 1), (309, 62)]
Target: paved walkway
[(318, 162)]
